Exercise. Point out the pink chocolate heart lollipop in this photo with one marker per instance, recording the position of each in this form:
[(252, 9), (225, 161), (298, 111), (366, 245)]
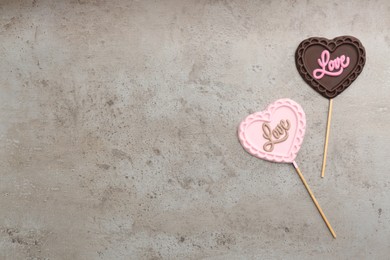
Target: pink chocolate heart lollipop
[(276, 134)]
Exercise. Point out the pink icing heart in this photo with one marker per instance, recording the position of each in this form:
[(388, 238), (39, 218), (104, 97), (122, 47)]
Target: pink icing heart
[(275, 134)]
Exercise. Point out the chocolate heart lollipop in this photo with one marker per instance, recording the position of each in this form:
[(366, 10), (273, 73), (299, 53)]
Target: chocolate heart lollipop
[(276, 134), (329, 67)]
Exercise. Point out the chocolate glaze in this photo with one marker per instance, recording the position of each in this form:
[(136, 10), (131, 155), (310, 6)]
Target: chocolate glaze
[(309, 51)]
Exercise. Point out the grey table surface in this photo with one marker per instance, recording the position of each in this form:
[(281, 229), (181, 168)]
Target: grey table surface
[(118, 125)]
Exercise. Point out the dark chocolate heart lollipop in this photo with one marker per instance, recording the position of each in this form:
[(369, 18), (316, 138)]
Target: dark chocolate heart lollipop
[(330, 66)]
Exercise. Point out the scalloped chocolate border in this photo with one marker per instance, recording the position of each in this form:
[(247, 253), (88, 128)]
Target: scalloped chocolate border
[(331, 45)]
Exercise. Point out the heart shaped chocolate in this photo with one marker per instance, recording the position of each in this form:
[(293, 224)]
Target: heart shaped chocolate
[(330, 66), (275, 134)]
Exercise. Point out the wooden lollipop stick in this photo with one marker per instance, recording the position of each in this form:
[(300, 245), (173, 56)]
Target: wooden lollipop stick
[(314, 199), (327, 137)]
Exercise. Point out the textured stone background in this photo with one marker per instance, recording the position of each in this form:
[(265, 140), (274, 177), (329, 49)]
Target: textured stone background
[(118, 131)]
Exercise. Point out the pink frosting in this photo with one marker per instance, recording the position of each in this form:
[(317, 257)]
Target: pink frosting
[(328, 66), (268, 135)]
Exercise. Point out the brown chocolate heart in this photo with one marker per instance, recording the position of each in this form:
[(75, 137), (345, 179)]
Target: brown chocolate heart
[(330, 66)]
